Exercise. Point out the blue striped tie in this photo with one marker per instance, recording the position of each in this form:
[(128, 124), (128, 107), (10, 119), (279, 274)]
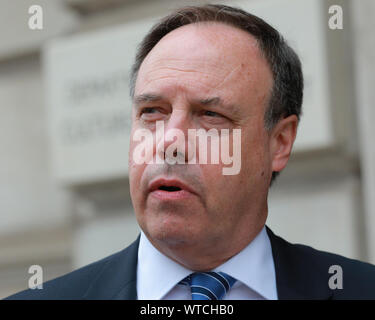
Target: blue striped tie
[(209, 285)]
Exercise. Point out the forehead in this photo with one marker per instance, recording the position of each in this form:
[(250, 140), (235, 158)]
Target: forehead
[(205, 57)]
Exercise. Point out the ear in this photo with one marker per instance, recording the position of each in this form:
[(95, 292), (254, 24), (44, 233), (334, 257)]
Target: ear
[(281, 143)]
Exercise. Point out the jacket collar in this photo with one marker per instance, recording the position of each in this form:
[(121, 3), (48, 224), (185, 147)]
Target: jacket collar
[(297, 276), (117, 279)]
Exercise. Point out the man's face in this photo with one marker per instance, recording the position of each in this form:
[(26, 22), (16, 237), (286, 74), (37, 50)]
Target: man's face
[(203, 76)]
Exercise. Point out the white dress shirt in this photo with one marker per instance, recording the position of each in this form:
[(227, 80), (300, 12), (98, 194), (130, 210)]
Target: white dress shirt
[(253, 267)]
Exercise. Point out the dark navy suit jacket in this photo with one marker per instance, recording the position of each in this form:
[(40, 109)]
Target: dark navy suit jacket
[(301, 273)]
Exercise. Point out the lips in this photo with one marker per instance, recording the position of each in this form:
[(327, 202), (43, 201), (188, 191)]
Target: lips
[(169, 185), (169, 189)]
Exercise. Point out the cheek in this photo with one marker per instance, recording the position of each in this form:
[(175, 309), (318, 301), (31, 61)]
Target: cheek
[(135, 164), (137, 192), (255, 148), (132, 166), (135, 176), (218, 187)]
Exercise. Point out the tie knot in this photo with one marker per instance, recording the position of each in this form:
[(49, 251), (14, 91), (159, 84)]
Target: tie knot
[(209, 285)]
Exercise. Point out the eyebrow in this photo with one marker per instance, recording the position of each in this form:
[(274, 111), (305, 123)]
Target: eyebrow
[(216, 101), (150, 97), (213, 101), (147, 97)]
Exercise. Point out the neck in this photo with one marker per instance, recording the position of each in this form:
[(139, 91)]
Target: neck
[(198, 257)]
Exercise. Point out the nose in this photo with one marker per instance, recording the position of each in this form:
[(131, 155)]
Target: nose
[(173, 145)]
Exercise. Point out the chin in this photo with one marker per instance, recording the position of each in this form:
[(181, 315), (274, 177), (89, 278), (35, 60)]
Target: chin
[(171, 232)]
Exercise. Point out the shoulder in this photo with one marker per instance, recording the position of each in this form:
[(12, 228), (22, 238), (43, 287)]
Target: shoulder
[(75, 285), (349, 278)]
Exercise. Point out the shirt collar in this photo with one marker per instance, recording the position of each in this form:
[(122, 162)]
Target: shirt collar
[(156, 273), (253, 266)]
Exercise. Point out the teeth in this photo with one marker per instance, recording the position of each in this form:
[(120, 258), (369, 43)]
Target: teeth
[(169, 188)]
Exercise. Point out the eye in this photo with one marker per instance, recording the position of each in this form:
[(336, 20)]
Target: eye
[(212, 118), (150, 113), (211, 113), (148, 110)]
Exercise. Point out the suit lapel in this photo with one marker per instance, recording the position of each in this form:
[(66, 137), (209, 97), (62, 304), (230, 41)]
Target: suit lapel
[(297, 277), (117, 280)]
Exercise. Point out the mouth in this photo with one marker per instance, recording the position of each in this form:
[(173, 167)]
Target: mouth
[(165, 189), (169, 189)]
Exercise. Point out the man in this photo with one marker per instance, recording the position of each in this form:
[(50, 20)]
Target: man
[(203, 232)]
